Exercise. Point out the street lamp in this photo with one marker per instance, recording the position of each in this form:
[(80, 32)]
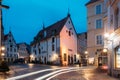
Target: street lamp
[(86, 52), (105, 50), (2, 54), (2, 48)]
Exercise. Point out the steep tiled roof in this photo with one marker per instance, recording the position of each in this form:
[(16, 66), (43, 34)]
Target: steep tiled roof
[(6, 37), (54, 29), (91, 1)]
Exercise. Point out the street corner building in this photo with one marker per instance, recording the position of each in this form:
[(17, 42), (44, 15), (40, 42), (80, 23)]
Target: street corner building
[(104, 33), (56, 44)]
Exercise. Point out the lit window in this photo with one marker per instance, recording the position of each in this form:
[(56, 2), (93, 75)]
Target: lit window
[(117, 57), (99, 40), (98, 24), (98, 9)]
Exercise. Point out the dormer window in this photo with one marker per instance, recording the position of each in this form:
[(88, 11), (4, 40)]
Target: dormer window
[(54, 32), (69, 22)]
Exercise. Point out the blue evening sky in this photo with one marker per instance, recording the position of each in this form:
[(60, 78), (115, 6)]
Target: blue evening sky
[(25, 17)]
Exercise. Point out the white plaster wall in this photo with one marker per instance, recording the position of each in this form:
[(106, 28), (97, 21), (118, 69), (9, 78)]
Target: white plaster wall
[(68, 42)]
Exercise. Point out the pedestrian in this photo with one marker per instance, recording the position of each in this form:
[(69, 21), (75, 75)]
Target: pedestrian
[(80, 64)]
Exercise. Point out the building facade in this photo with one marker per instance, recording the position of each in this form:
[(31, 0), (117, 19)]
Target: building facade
[(23, 51), (82, 46), (112, 42), (95, 35), (10, 48), (56, 44)]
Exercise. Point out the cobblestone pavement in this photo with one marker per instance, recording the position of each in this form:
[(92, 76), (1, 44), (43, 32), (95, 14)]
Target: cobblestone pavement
[(84, 75)]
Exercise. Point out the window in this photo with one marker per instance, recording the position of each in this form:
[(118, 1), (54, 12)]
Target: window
[(14, 50), (53, 47), (9, 40), (117, 57), (98, 9), (65, 59), (39, 50), (10, 49), (54, 32), (98, 24), (116, 18), (10, 55), (11, 46), (35, 52), (45, 33), (14, 55), (69, 22), (7, 49), (69, 33), (53, 40), (99, 40), (7, 55)]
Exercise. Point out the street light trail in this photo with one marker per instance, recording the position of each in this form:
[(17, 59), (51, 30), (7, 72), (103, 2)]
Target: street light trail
[(29, 74), (60, 73), (52, 73)]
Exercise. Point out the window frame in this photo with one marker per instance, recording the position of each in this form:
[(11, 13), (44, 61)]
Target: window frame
[(97, 24), (99, 12), (99, 41)]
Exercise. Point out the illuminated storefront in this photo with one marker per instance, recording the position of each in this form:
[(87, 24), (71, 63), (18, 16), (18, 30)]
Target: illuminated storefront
[(117, 57)]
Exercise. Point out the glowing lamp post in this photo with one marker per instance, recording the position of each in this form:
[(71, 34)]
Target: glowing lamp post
[(86, 57), (86, 52), (2, 54), (105, 50)]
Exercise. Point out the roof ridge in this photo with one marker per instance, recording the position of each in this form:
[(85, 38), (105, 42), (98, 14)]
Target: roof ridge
[(57, 27)]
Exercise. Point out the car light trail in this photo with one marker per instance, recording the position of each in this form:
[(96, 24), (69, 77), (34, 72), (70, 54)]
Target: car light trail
[(29, 74), (52, 73), (60, 73)]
